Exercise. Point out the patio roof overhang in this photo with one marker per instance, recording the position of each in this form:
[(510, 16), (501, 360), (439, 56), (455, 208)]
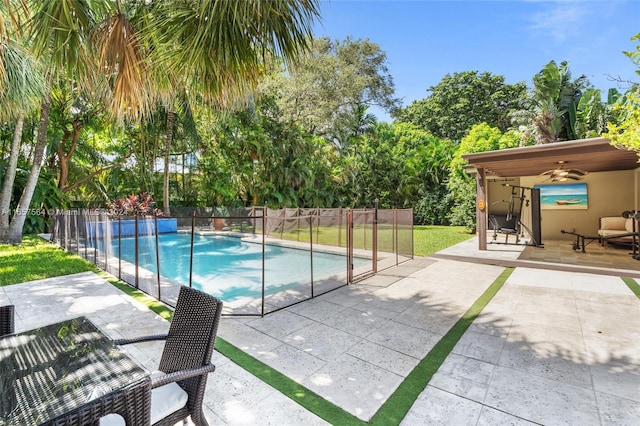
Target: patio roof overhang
[(592, 155)]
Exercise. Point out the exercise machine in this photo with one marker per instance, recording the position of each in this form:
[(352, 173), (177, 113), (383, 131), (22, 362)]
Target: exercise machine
[(523, 199), (582, 240)]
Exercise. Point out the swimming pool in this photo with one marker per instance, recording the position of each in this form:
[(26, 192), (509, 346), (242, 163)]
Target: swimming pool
[(228, 267)]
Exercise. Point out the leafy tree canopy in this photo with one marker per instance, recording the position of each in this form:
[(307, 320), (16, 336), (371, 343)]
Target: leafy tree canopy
[(627, 133), (463, 100), (325, 90), (462, 186)]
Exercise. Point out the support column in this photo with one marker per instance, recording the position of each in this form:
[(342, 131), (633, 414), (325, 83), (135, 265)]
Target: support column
[(481, 210)]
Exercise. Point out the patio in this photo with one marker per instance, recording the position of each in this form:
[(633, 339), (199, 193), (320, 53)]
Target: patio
[(551, 347)]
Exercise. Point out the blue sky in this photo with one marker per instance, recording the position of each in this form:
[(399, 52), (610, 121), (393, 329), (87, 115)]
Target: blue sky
[(424, 40)]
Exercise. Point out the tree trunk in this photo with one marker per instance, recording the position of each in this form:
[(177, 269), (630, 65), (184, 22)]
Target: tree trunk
[(10, 175), (167, 157), (63, 157), (14, 233)]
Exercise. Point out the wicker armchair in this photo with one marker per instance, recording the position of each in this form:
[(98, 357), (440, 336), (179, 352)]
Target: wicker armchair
[(186, 358), (7, 320)]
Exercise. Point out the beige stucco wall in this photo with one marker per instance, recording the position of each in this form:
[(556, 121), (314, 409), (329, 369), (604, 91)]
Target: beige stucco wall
[(609, 194)]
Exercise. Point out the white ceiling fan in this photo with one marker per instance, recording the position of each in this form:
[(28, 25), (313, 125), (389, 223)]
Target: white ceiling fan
[(563, 174)]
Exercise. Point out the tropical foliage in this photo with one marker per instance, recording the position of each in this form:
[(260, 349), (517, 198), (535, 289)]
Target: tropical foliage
[(462, 186), (624, 131), (463, 100), (220, 103)]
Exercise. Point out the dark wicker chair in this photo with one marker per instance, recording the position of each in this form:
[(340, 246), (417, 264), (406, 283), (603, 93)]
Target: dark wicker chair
[(7, 314), (186, 358)]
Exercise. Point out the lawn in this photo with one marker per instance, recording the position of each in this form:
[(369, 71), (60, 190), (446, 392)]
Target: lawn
[(431, 238), (35, 259), (427, 239)]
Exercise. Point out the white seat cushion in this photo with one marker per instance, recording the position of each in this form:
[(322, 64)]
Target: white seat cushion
[(164, 401)]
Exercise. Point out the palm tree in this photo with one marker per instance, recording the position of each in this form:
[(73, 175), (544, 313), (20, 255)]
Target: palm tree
[(218, 46), (554, 95), (59, 36)]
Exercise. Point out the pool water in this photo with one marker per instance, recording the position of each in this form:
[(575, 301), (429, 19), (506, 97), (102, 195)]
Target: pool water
[(229, 268)]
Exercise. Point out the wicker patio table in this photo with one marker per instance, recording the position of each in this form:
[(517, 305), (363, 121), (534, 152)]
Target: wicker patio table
[(69, 373)]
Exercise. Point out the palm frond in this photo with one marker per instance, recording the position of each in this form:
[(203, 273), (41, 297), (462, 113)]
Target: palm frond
[(222, 44), (120, 53)]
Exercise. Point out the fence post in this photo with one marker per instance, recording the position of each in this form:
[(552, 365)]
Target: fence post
[(193, 226), (75, 221), (119, 246), (135, 232), (375, 236), (395, 238), (155, 223), (264, 227), (311, 252), (349, 246)]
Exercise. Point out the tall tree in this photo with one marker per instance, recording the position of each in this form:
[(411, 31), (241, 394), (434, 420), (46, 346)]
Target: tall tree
[(463, 100), (59, 33), (328, 90), (220, 47), (23, 85)]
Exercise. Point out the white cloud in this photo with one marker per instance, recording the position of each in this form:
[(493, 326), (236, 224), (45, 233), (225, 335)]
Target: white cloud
[(560, 20)]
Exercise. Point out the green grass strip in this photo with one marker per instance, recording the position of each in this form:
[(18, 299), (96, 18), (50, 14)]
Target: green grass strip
[(392, 411), (399, 403), (150, 302), (288, 387), (633, 285)]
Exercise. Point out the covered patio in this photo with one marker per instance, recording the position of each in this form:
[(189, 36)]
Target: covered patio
[(611, 178)]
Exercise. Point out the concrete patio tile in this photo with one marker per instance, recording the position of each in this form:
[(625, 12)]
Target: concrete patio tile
[(541, 400), (629, 299), (466, 377), (618, 411), (278, 326), (319, 311), (400, 296), (564, 337), (405, 339), (437, 407), (292, 362), (284, 412), (233, 394), (600, 284), (618, 379), (606, 324), (492, 417), (480, 346), (492, 324), (597, 309), (380, 280), (349, 295), (432, 317), (355, 385), (246, 338), (321, 341), (542, 278), (356, 322), (383, 357), (528, 316), (548, 361)]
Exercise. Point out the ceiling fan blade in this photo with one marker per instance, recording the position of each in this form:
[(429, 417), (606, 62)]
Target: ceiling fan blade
[(548, 172), (576, 172)]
